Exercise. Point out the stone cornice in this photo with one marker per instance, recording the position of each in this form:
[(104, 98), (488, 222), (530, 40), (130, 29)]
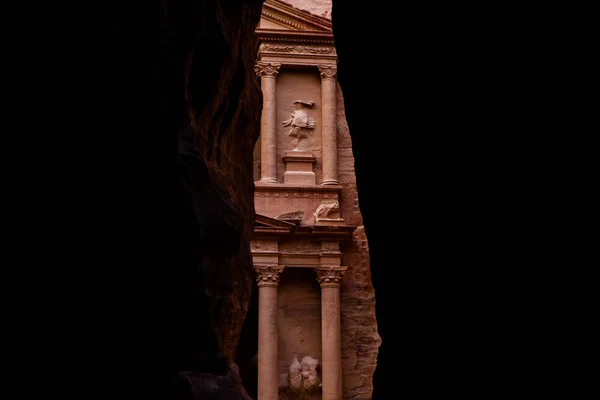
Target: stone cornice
[(280, 187), (321, 232), (277, 35)]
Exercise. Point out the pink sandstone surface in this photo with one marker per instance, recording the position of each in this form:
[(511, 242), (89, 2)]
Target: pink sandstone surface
[(322, 8)]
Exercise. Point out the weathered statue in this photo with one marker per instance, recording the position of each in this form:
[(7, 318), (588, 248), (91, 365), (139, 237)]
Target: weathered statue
[(303, 380), (299, 123), (309, 374), (295, 375), (328, 209)]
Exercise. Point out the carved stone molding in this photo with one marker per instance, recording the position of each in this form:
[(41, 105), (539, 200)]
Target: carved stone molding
[(266, 69), (330, 276), (297, 49), (328, 71), (268, 276)]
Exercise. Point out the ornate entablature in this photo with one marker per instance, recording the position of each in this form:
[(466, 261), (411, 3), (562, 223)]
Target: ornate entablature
[(290, 36)]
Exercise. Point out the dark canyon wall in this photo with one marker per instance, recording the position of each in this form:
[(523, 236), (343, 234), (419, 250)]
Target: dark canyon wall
[(213, 49)]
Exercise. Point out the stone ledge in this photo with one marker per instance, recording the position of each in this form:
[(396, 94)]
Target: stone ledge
[(260, 186)]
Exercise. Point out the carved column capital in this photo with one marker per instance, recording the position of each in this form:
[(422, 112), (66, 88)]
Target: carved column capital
[(268, 275), (330, 276), (328, 71), (266, 69)]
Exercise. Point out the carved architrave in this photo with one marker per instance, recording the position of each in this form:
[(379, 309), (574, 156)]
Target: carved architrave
[(328, 71), (268, 275), (330, 276), (266, 69)]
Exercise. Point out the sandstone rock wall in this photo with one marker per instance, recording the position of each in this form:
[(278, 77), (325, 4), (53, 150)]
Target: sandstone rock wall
[(360, 338)]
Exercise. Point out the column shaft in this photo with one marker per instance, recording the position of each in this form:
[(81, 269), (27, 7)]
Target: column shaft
[(331, 343), (329, 122), (331, 331), (268, 377), (267, 343), (268, 122)]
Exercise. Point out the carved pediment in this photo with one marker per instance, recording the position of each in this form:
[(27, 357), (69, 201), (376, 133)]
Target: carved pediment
[(277, 15), (264, 222), (293, 217)]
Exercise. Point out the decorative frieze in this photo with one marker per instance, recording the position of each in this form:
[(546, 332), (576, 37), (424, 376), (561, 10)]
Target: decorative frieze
[(297, 49), (264, 246)]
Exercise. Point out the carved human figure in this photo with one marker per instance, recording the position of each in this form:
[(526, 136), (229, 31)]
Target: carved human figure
[(309, 374), (299, 123), (295, 375)]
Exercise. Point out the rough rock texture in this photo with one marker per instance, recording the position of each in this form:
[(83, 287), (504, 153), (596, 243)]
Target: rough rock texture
[(360, 338), (214, 97), (321, 8)]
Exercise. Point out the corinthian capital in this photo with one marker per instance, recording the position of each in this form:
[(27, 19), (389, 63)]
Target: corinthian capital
[(268, 276), (328, 71), (330, 276), (266, 69)]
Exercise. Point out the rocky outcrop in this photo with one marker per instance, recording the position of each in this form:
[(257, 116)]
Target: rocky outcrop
[(360, 337)]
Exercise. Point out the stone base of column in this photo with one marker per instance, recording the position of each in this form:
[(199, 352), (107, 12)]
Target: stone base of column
[(330, 182), (299, 168)]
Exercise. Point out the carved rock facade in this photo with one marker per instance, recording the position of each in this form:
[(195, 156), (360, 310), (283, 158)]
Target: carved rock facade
[(308, 224)]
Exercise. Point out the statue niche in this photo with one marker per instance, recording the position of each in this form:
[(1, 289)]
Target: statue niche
[(299, 122), (302, 381)]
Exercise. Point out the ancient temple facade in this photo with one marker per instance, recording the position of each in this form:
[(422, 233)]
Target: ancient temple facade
[(317, 330)]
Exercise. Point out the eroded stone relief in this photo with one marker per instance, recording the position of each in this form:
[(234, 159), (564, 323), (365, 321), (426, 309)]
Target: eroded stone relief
[(299, 122), (329, 209), (302, 380)]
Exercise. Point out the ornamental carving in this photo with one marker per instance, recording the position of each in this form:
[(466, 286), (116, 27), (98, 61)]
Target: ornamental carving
[(297, 49), (329, 277), (327, 71), (266, 69), (267, 276)]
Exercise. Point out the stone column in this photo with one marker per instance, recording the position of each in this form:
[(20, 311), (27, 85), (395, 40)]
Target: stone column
[(331, 333), (329, 124), (268, 121), (267, 278)]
